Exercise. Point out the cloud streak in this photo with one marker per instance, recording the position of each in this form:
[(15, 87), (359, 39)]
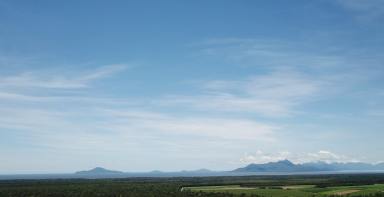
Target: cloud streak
[(274, 53), (64, 80), (366, 10), (274, 94)]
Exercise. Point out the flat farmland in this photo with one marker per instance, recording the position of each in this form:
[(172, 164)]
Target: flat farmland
[(292, 190)]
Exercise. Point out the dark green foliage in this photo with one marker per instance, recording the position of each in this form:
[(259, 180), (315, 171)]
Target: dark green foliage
[(88, 188), (170, 187)]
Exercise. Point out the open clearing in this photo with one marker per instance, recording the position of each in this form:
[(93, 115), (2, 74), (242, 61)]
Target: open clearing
[(346, 192), (217, 188), (298, 186), (291, 190)]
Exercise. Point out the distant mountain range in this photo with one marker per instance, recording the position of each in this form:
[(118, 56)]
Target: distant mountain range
[(102, 172), (284, 166), (272, 168), (288, 166)]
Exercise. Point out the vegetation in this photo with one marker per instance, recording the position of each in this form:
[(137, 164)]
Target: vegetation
[(254, 186), (299, 191)]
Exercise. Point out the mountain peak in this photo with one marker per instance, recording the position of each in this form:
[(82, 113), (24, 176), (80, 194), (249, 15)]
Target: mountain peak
[(278, 166), (99, 170), (286, 161)]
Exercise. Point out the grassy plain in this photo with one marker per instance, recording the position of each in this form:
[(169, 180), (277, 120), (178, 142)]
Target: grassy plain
[(293, 190)]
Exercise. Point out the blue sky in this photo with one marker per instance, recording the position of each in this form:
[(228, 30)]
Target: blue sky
[(172, 85)]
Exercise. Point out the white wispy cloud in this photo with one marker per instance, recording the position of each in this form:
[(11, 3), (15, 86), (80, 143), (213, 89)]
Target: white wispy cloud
[(223, 128), (272, 94), (43, 114), (274, 53), (366, 10), (291, 74), (116, 129), (59, 80)]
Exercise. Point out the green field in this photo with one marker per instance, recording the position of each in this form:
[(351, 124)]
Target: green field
[(292, 190)]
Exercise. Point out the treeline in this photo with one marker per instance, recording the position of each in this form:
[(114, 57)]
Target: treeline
[(101, 189), (352, 180)]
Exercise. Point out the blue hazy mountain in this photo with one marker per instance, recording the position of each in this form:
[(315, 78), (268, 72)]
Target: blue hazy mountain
[(280, 166), (288, 166), (98, 171)]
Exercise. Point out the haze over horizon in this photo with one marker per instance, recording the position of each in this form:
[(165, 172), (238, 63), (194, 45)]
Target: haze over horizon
[(184, 85)]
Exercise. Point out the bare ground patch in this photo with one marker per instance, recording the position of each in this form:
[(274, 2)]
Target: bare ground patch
[(346, 192)]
